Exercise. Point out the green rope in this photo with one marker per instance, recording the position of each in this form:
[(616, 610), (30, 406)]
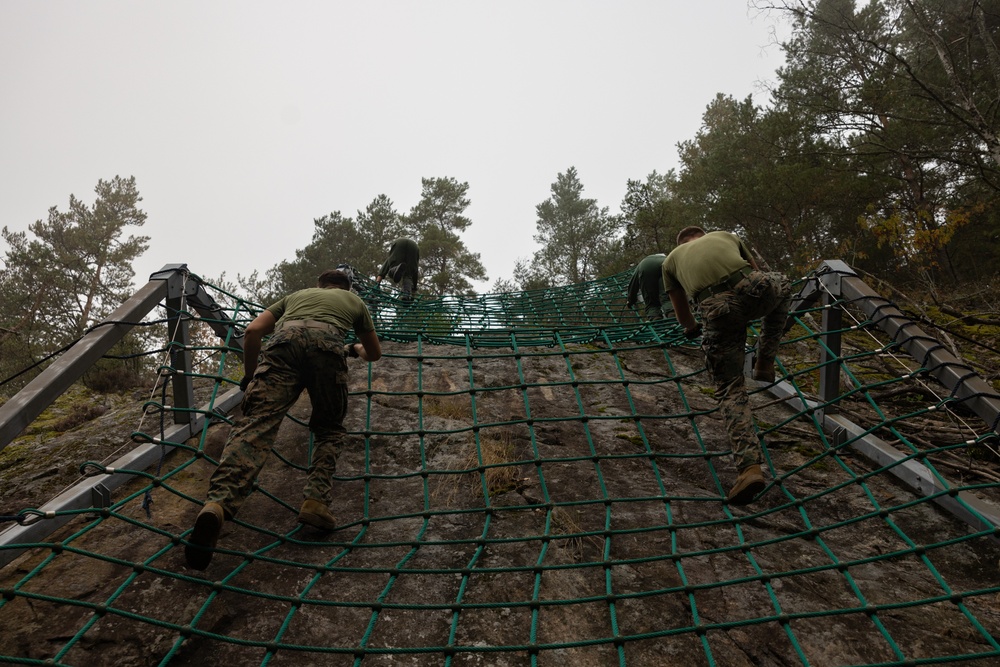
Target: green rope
[(623, 495)]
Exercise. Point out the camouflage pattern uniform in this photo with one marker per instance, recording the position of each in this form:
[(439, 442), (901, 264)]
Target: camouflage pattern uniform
[(725, 317), (299, 355)]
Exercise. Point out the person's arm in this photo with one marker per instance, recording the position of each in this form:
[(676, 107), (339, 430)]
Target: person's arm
[(683, 311), (262, 325), (384, 271), (633, 290), (746, 254), (369, 349)]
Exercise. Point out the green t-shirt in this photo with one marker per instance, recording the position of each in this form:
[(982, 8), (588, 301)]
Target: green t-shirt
[(341, 308), (703, 262)]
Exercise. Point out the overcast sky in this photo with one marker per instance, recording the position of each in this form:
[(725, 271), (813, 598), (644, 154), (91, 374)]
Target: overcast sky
[(244, 121)]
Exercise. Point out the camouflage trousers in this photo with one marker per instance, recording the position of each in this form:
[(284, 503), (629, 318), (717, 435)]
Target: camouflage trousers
[(295, 358), (725, 317)]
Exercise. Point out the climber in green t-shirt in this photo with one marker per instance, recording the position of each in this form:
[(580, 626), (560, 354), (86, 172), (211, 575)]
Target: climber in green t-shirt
[(717, 272), (305, 351)]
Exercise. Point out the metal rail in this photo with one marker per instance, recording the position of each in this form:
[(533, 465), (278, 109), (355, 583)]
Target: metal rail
[(179, 291), (835, 283), (95, 492)]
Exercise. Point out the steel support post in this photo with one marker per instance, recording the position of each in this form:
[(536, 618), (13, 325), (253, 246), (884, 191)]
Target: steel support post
[(178, 342), (832, 342)]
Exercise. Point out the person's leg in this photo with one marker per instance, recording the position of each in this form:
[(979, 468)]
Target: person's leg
[(651, 305), (731, 392), (654, 311), (274, 389), (406, 287), (269, 395), (243, 458), (724, 344), (774, 302), (666, 307), (747, 454), (317, 493), (327, 386)]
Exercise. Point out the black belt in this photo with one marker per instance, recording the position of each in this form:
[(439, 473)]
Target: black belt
[(724, 285)]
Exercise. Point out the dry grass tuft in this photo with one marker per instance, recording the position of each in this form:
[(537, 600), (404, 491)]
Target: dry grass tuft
[(498, 455), (565, 522), (448, 407)]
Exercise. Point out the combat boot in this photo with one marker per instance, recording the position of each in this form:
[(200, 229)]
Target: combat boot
[(316, 514), (763, 370), (749, 483), (202, 540)]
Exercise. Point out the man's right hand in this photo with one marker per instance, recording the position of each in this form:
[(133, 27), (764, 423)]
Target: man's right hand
[(693, 332), (245, 382)]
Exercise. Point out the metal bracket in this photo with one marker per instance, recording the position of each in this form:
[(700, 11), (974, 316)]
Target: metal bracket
[(100, 498)]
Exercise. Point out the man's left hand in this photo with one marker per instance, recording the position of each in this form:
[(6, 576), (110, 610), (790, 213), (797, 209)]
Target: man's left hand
[(245, 382), (693, 332)]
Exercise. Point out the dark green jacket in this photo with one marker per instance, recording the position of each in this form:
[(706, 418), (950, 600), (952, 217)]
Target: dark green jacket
[(648, 280), (405, 255)]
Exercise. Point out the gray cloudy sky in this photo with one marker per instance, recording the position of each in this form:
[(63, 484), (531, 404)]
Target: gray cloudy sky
[(244, 121)]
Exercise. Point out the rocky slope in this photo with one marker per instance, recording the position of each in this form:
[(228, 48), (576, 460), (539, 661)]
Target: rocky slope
[(540, 508)]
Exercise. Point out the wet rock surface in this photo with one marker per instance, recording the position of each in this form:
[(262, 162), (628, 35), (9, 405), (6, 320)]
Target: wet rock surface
[(539, 508)]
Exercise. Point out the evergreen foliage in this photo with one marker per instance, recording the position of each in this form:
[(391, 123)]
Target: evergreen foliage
[(437, 220), (573, 232), (879, 145), (72, 271)]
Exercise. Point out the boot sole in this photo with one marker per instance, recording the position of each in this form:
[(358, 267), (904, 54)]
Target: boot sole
[(746, 495), (316, 521), (203, 539)]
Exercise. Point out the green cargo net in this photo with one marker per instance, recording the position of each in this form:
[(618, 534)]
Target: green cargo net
[(538, 478)]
